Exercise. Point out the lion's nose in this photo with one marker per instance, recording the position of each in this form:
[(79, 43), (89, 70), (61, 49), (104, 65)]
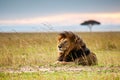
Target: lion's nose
[(59, 46)]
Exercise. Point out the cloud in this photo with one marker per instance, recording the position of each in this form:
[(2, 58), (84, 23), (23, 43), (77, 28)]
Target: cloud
[(66, 19)]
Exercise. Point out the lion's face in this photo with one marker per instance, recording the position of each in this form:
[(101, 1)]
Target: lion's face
[(63, 45)]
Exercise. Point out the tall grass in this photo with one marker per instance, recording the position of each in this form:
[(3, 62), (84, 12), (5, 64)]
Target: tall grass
[(19, 49)]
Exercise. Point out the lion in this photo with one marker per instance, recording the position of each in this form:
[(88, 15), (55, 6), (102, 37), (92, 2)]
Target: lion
[(71, 48)]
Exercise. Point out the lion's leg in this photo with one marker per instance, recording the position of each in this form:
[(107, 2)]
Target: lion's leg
[(63, 62), (90, 59), (93, 59)]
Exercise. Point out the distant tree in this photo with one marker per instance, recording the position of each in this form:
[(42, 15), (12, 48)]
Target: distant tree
[(90, 24)]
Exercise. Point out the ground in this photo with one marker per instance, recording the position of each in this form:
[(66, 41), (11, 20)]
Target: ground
[(31, 56)]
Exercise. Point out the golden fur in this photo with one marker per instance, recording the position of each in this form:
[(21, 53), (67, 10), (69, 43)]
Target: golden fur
[(69, 42)]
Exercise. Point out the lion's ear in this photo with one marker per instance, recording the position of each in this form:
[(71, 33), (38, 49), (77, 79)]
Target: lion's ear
[(63, 35), (70, 35)]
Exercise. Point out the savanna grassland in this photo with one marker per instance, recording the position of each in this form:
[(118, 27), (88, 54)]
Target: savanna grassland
[(31, 56)]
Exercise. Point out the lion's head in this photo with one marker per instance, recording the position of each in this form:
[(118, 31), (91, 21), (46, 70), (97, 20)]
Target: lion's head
[(68, 41)]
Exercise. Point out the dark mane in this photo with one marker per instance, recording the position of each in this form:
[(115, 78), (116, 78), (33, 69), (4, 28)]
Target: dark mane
[(74, 54)]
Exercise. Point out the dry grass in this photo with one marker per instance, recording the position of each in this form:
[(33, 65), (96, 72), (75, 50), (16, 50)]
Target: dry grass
[(19, 49), (39, 49), (26, 49)]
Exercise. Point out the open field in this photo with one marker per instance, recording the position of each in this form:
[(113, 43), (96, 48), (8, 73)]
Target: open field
[(28, 56)]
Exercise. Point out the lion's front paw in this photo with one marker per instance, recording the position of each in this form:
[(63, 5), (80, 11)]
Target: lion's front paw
[(57, 62), (60, 62)]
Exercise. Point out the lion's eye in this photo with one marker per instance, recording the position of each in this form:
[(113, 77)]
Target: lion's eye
[(65, 42)]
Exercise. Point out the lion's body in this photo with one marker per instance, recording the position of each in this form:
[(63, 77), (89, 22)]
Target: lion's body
[(73, 49)]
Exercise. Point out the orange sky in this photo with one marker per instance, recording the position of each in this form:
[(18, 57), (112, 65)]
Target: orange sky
[(66, 19)]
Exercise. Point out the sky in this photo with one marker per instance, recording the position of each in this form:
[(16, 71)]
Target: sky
[(58, 12)]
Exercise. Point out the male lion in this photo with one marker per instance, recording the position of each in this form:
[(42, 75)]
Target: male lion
[(71, 48)]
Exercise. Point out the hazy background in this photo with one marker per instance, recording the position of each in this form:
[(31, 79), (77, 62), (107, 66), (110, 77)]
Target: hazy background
[(58, 15)]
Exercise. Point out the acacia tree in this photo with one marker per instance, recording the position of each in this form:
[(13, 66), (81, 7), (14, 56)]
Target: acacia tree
[(90, 24)]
